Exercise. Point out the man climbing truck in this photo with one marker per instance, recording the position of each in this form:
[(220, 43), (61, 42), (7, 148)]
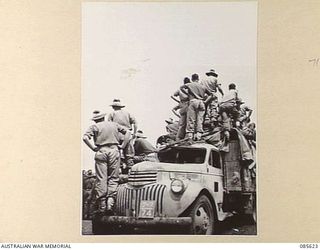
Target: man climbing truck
[(190, 188)]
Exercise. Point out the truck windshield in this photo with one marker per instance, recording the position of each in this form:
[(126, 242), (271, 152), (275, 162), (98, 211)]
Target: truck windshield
[(182, 155)]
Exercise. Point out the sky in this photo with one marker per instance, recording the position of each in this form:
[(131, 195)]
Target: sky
[(140, 53)]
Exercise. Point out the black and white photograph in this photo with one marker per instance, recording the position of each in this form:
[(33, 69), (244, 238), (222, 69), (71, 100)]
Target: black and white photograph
[(169, 118)]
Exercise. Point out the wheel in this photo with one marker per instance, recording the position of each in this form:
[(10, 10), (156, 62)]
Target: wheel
[(97, 227), (251, 217), (203, 221)]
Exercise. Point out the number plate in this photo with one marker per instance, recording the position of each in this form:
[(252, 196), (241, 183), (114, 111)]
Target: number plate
[(147, 209)]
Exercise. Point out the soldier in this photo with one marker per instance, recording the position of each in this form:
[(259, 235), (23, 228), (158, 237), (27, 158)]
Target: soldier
[(196, 108), (250, 132), (227, 108), (124, 118), (172, 128), (244, 114), (142, 147), (183, 107), (106, 139), (210, 82)]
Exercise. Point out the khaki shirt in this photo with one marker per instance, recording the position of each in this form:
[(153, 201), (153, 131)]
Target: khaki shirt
[(182, 96), (210, 83), (122, 117), (196, 90), (173, 128), (142, 146), (105, 133), (231, 96)]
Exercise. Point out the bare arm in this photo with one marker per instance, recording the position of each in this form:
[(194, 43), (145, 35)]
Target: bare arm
[(174, 110), (125, 139), (208, 99), (184, 89), (87, 141), (174, 98), (135, 128), (126, 133), (134, 124)]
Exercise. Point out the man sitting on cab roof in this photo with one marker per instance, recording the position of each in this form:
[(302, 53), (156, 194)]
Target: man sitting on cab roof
[(142, 147)]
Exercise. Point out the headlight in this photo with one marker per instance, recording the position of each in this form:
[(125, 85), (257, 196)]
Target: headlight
[(177, 186)]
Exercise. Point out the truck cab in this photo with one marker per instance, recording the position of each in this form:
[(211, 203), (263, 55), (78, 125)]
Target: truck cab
[(189, 187)]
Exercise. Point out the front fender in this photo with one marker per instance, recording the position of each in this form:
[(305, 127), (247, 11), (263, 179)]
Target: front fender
[(176, 204)]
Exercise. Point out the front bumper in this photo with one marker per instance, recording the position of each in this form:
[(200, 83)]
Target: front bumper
[(138, 222)]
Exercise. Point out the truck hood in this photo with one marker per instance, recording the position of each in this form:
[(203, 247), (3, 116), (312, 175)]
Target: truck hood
[(170, 167)]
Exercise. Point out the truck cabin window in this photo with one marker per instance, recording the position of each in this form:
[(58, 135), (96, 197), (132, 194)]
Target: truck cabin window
[(182, 155), (215, 160)]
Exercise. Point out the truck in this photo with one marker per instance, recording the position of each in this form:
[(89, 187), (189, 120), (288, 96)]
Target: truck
[(189, 188)]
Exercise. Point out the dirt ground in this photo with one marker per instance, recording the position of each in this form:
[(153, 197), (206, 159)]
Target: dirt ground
[(231, 226)]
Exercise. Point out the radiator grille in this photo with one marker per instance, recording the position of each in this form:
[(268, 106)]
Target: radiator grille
[(140, 178), (129, 199)]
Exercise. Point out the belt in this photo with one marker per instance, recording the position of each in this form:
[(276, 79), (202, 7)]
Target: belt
[(108, 145), (195, 99)]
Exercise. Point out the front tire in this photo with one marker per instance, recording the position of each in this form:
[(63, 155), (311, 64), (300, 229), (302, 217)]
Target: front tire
[(97, 227), (203, 218)]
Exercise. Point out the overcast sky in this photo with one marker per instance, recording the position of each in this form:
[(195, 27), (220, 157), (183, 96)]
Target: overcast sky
[(140, 53)]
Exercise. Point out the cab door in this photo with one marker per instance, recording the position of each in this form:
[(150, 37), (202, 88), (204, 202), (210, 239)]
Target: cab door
[(215, 179), (215, 163)]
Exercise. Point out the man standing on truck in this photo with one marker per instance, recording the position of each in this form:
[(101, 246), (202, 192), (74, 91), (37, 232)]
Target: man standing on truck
[(228, 108), (244, 113), (196, 108), (124, 118), (182, 107), (106, 139), (210, 82)]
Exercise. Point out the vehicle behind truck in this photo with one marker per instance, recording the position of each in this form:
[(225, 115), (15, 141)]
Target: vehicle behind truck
[(188, 189)]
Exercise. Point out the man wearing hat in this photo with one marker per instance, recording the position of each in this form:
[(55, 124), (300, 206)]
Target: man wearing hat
[(196, 109), (142, 147), (210, 82), (106, 139), (124, 118)]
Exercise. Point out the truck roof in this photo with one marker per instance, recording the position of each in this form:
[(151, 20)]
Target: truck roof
[(197, 145)]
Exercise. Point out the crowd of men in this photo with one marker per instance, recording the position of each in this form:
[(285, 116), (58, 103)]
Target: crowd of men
[(119, 144), (199, 109)]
